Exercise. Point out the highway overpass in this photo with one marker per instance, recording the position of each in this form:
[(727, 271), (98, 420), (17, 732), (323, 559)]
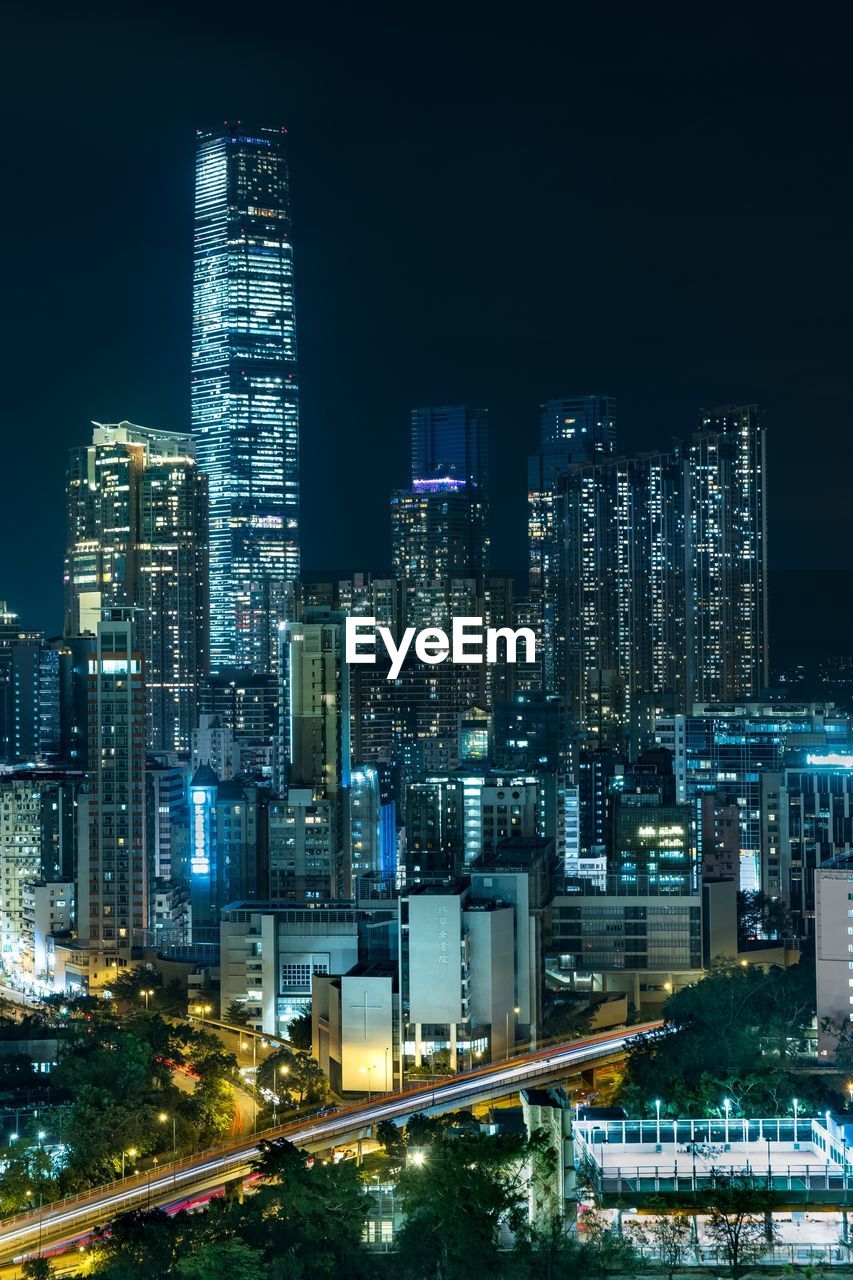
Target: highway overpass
[(67, 1221)]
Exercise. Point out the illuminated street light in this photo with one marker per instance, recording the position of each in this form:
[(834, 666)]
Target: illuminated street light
[(163, 1118), (417, 1157), (131, 1151), (728, 1106), (657, 1108), (796, 1113)]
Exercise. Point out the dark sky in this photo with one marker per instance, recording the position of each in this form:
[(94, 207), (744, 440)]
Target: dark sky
[(647, 202)]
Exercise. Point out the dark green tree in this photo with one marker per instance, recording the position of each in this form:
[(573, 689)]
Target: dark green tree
[(297, 1078), (299, 1032), (309, 1214), (139, 1244), (455, 1192), (223, 1260), (237, 1014)]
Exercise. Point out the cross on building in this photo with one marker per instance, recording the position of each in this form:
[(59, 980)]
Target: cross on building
[(363, 1008)]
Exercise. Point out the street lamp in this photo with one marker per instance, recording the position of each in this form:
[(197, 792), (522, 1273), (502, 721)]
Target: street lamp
[(728, 1106), (657, 1108), (163, 1118), (131, 1151), (41, 1136), (417, 1157), (796, 1113), (147, 992), (516, 1010), (850, 1090), (368, 1071), (386, 1068)]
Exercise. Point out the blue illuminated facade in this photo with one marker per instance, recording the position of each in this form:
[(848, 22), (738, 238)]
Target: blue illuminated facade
[(245, 413)]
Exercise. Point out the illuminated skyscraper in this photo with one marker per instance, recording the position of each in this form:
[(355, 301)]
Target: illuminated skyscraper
[(244, 386), (663, 578), (574, 429), (451, 441), (728, 511), (137, 530)]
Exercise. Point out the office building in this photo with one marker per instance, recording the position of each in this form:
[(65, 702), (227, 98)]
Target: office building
[(519, 873), (302, 846), (725, 748), (29, 693), (137, 538), (653, 843), (271, 951), (227, 825), (459, 985), (806, 823), (365, 826), (247, 705), (833, 953), (314, 742), (645, 943), (245, 414), (531, 732), (451, 442)]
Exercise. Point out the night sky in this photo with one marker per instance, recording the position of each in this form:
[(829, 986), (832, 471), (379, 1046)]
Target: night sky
[(648, 203)]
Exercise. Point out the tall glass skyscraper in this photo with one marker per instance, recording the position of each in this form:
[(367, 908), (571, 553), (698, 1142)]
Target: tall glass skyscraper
[(245, 413)]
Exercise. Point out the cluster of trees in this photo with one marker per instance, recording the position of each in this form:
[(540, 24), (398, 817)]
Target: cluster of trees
[(463, 1196), (294, 1077), (112, 1095), (740, 1033)]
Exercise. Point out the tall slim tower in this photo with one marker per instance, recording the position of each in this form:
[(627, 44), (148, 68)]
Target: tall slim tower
[(573, 429), (113, 899), (244, 386)]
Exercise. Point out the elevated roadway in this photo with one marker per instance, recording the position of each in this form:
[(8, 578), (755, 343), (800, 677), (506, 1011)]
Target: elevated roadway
[(65, 1223)]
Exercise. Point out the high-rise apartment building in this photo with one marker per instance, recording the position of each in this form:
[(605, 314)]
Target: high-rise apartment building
[(663, 582), (112, 892), (136, 538), (244, 386), (727, 554), (625, 619), (574, 429)]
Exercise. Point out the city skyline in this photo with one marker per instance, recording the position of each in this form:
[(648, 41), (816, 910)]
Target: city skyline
[(426, 331), (426, 689)]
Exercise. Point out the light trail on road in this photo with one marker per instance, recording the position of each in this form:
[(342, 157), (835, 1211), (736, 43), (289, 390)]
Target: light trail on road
[(187, 1177)]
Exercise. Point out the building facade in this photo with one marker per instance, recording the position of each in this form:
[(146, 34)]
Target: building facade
[(137, 538), (245, 412)]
